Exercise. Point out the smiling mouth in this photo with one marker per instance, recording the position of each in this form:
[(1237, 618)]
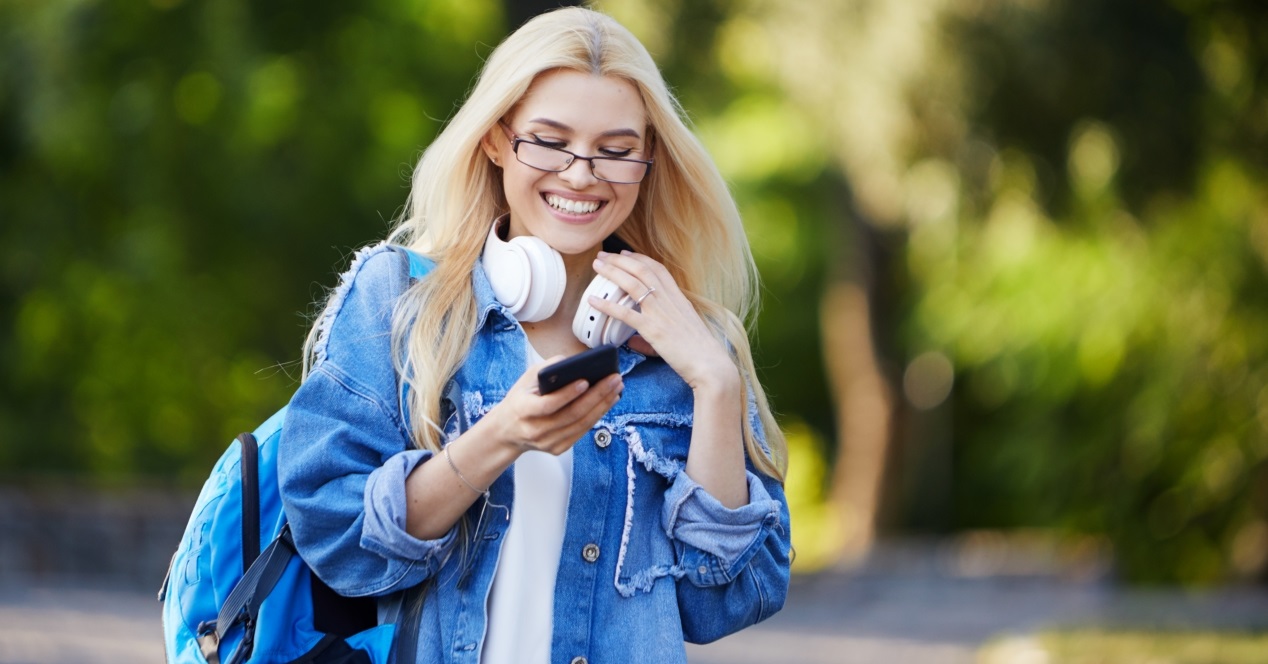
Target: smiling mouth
[(569, 206)]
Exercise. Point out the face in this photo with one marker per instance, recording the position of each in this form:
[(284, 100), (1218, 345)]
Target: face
[(592, 116)]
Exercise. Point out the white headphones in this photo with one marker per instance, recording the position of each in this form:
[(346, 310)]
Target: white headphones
[(528, 278)]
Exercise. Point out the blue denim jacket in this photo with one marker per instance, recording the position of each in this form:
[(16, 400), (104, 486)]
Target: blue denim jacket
[(649, 558)]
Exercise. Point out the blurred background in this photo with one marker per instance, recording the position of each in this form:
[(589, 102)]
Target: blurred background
[(1015, 262)]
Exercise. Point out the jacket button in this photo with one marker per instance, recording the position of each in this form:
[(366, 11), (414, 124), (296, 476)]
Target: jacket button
[(579, 660), (603, 438), (591, 553)]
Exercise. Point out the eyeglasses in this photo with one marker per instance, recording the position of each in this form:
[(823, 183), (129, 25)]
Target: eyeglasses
[(617, 170)]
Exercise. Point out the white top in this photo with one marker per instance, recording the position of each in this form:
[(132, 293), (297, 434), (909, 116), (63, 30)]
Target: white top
[(522, 599)]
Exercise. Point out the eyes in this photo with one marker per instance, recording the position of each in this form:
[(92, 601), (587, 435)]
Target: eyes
[(606, 151)]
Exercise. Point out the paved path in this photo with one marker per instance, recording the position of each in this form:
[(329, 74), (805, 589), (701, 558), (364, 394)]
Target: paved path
[(844, 619), (841, 618), (65, 626)]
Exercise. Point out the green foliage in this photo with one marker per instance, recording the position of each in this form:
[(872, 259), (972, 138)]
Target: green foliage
[(1112, 379), (1068, 198), (771, 153), (1100, 280), (178, 181)]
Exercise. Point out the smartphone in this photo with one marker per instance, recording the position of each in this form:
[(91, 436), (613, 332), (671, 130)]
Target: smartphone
[(591, 365)]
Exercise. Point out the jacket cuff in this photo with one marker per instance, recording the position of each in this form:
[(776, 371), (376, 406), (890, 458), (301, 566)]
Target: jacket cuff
[(714, 542), (385, 511)]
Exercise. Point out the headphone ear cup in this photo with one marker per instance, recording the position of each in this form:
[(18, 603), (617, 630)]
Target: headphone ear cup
[(545, 282), (526, 275), (593, 327), (507, 267)]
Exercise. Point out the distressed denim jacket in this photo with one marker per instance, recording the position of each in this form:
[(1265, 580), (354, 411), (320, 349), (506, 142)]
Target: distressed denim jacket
[(649, 558)]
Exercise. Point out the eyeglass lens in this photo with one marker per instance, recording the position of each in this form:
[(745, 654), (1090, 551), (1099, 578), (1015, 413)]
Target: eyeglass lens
[(552, 159)]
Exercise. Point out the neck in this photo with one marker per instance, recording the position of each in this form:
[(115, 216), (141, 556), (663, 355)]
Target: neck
[(580, 271)]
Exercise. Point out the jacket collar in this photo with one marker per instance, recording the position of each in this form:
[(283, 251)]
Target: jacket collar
[(486, 302)]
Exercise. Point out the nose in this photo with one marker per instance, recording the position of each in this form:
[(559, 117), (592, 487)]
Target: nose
[(579, 174)]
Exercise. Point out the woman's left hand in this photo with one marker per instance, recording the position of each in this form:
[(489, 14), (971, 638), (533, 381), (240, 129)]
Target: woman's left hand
[(671, 326), (668, 324)]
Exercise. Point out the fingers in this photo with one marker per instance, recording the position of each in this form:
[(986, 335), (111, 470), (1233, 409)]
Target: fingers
[(553, 422), (549, 403), (643, 279), (667, 322), (639, 276), (584, 412), (560, 430)]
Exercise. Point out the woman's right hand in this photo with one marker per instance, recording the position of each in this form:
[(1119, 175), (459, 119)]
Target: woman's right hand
[(530, 421), (525, 420)]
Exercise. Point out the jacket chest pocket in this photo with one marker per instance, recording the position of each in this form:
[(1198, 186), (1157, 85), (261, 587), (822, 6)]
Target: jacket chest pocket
[(656, 454)]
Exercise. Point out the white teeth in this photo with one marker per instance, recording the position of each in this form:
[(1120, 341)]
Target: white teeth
[(570, 206)]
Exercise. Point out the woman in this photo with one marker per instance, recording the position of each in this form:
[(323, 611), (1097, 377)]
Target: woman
[(598, 523)]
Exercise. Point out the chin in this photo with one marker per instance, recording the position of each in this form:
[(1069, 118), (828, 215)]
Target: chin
[(575, 238), (572, 245)]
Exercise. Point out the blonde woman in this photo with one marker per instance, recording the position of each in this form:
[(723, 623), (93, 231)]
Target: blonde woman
[(604, 522)]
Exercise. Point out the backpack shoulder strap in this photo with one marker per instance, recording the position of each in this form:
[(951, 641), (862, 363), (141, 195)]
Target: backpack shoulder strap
[(250, 500), (244, 601)]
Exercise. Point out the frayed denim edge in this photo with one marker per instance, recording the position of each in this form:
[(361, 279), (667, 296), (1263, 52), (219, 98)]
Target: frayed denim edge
[(625, 530), (643, 580), (335, 302)]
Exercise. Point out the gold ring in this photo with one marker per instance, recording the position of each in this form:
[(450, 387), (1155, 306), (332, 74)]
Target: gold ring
[(650, 290)]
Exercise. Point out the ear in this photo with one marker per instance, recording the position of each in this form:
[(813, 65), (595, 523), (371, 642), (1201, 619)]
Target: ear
[(489, 144)]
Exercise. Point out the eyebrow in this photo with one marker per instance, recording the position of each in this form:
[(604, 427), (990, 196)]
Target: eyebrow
[(607, 134)]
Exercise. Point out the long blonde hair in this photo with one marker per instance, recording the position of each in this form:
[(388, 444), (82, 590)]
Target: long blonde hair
[(684, 217)]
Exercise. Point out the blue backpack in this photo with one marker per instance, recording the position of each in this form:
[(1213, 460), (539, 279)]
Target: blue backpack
[(226, 601)]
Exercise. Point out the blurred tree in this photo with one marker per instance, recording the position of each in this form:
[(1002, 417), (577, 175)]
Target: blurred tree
[(175, 178), (1035, 231), (1073, 194), (770, 151), (1101, 291), (519, 11)]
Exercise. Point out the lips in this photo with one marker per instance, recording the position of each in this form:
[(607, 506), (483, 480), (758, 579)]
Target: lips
[(572, 206)]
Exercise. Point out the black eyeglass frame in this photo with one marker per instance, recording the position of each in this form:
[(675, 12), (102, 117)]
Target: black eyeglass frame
[(515, 148)]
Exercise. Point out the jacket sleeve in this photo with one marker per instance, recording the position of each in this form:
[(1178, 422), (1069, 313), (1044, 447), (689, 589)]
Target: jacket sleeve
[(345, 449), (735, 562)]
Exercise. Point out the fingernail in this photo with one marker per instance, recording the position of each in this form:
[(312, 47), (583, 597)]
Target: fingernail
[(582, 387), (626, 252)]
